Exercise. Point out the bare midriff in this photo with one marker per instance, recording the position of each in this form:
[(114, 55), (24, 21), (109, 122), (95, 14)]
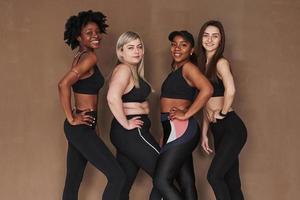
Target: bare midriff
[(167, 103), (136, 108), (85, 101), (214, 104)]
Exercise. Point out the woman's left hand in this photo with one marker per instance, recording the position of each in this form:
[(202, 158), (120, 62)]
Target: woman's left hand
[(176, 113), (216, 115)]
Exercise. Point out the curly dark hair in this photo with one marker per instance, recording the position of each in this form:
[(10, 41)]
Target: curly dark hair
[(74, 25)]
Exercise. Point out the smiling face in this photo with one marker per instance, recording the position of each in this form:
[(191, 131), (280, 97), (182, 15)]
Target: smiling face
[(132, 52), (90, 36), (211, 39), (181, 50)]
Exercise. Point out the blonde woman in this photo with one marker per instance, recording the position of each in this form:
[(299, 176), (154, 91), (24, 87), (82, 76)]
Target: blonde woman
[(127, 99)]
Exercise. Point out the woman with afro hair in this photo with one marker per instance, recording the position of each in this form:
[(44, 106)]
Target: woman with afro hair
[(85, 32)]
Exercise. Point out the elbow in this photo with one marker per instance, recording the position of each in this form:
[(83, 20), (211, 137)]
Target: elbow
[(209, 91), (230, 93), (111, 99), (61, 85)]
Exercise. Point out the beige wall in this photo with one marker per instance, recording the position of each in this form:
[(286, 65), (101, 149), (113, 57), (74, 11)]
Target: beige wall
[(262, 44)]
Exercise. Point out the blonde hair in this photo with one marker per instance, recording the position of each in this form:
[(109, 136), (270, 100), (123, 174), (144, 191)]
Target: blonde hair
[(125, 38)]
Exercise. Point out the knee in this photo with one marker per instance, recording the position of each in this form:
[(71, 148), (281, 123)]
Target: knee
[(160, 182), (118, 177), (212, 177), (72, 181), (233, 182), (156, 182), (121, 177), (187, 181)]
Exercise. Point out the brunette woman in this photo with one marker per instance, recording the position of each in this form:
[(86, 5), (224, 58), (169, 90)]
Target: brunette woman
[(228, 129)]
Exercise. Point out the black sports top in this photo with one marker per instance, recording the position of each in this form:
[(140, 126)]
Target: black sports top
[(218, 88), (137, 94), (176, 87), (91, 84)]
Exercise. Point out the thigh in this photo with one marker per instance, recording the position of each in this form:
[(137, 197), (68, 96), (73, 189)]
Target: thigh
[(94, 150), (171, 161), (144, 152), (186, 175), (76, 162), (226, 154), (186, 180), (138, 146), (129, 167), (233, 176)]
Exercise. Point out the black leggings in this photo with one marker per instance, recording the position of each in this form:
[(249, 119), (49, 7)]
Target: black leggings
[(84, 145), (175, 160), (230, 135), (135, 149)]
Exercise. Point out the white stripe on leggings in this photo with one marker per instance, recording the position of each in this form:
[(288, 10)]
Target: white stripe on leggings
[(147, 141), (149, 145)]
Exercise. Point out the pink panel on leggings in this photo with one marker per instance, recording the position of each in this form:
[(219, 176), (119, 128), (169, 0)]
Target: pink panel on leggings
[(180, 127)]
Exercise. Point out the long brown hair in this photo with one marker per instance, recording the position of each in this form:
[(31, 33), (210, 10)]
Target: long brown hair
[(210, 70)]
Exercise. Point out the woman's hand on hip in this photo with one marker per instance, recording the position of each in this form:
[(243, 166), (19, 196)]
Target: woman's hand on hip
[(216, 115), (82, 118), (176, 113), (134, 122)]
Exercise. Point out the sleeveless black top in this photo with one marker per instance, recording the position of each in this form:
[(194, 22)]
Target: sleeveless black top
[(91, 84), (176, 87), (137, 94), (218, 88)]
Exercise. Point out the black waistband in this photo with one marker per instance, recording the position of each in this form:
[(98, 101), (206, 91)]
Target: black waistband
[(137, 115), (228, 115)]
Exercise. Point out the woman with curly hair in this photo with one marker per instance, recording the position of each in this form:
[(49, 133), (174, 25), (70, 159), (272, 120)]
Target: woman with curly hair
[(85, 32), (228, 129)]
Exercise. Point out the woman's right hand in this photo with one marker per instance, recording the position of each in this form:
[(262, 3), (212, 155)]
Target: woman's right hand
[(82, 118), (134, 122), (205, 145)]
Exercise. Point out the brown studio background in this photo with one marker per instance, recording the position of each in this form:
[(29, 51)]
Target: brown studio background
[(262, 45)]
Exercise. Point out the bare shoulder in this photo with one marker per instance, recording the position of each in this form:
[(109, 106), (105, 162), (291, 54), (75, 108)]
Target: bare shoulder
[(223, 68), (190, 68), (85, 63), (88, 57), (223, 63), (122, 68), (121, 71)]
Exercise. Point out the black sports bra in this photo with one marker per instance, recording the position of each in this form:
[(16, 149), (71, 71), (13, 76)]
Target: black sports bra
[(137, 94), (176, 87), (218, 87), (91, 84)]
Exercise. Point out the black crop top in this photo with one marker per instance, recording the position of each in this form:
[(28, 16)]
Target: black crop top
[(138, 94), (218, 88), (91, 84), (176, 87)]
